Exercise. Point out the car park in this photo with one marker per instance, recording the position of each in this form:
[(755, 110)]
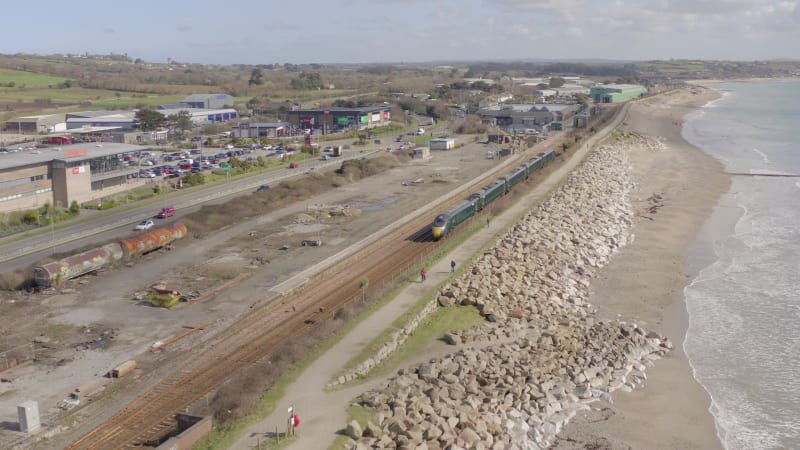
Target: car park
[(144, 225)]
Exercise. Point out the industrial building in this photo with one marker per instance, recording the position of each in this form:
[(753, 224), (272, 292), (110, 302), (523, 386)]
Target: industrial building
[(126, 120), (45, 123), (209, 101), (329, 120), (258, 130), (442, 144), (615, 93), (60, 175), (517, 118)]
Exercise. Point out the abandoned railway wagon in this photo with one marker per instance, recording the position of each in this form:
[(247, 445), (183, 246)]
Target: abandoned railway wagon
[(446, 221), (89, 261)]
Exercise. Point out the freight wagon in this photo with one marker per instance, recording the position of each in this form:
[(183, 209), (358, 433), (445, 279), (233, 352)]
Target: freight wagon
[(89, 261)]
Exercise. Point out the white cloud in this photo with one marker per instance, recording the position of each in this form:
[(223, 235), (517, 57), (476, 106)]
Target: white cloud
[(574, 31), (519, 30), (561, 6)]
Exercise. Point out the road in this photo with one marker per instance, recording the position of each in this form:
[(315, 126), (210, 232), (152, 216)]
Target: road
[(20, 251)]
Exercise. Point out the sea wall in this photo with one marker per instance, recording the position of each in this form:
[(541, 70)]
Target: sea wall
[(553, 355)]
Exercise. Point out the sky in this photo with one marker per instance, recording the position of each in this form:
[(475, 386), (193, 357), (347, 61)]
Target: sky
[(365, 31)]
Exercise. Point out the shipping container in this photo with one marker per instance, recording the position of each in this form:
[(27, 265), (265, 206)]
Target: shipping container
[(123, 369)]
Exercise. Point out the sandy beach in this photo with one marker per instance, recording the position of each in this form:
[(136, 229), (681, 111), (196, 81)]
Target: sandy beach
[(645, 282)]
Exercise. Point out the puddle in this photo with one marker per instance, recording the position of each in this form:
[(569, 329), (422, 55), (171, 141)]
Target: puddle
[(380, 206), (372, 208)]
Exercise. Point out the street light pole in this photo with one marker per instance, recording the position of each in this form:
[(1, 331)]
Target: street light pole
[(53, 229)]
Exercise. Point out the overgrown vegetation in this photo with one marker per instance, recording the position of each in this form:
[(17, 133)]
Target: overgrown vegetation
[(46, 216), (214, 217)]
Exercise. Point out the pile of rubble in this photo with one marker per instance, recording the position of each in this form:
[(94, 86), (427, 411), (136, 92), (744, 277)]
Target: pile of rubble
[(553, 355)]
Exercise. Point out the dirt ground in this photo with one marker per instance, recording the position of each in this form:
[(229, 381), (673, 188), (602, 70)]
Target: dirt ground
[(100, 321)]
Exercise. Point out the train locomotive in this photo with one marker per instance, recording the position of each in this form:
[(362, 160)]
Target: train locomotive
[(448, 220)]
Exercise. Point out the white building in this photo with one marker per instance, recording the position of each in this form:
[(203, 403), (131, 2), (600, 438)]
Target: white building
[(442, 144)]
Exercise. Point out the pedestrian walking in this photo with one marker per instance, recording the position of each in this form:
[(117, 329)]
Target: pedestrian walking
[(487, 222), (452, 266), (423, 274), (292, 422)]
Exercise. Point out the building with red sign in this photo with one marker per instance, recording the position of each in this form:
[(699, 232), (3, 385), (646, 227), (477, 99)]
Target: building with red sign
[(330, 120), (31, 178)]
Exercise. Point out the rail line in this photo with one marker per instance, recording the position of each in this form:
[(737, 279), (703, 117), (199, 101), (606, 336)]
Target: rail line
[(147, 419)]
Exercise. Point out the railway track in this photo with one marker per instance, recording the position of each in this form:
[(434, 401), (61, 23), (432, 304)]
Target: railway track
[(150, 417)]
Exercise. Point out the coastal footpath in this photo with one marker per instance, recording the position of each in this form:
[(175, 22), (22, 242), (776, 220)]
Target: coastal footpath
[(554, 355)]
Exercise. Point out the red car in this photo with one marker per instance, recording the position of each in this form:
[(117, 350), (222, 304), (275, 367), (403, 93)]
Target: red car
[(169, 211)]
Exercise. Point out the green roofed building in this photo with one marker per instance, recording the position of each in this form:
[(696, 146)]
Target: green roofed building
[(615, 93)]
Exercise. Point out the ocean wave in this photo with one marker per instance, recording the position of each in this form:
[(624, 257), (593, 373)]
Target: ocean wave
[(763, 155), (724, 94)]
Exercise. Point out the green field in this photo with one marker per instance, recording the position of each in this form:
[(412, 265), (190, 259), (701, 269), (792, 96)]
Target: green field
[(49, 101), (28, 79)]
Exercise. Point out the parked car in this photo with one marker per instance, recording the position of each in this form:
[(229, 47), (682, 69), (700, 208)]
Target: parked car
[(144, 225), (169, 211), (263, 187), (294, 165)]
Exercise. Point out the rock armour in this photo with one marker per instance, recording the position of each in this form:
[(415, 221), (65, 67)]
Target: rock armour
[(554, 356)]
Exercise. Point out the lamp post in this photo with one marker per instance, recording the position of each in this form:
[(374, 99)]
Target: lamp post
[(53, 229)]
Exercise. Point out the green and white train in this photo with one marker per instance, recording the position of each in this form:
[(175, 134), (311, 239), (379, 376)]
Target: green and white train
[(448, 220)]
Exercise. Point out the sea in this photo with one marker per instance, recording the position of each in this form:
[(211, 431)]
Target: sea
[(743, 340)]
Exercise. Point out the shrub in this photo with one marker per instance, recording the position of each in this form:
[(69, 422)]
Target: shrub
[(194, 179), (10, 281), (30, 217)]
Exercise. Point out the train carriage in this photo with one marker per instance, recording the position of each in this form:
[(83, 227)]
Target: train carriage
[(533, 164), (453, 217), (494, 190), (479, 198), (515, 176), (547, 156), (449, 219)]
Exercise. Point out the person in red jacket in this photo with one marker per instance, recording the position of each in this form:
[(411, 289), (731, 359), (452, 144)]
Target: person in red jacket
[(424, 274)]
